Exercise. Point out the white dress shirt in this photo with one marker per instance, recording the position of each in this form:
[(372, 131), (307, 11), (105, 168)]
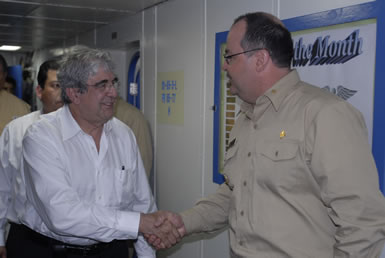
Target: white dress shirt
[(12, 189), (79, 195)]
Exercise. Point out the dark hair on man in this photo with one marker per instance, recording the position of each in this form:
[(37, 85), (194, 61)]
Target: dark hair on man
[(43, 70), (26, 74), (77, 66), (11, 81), (3, 64), (266, 31)]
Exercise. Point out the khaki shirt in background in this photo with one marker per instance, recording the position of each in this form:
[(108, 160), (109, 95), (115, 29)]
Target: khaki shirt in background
[(134, 119), (11, 107), (303, 179)]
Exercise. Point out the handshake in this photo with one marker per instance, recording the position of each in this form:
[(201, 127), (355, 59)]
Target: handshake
[(162, 229)]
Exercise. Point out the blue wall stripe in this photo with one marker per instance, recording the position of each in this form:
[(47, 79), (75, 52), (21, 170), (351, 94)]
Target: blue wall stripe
[(220, 38)]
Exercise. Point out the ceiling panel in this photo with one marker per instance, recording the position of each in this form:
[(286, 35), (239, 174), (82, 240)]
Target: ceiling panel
[(15, 8), (77, 14), (36, 24), (131, 6), (69, 26), (7, 21)]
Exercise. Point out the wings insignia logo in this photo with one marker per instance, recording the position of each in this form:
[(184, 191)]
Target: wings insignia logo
[(341, 91)]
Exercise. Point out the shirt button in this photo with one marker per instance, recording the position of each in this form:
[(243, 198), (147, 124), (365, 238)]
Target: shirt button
[(249, 154), (240, 243), (242, 213), (255, 127), (244, 183)]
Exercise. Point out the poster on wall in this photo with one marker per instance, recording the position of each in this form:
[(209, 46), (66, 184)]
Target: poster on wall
[(333, 58), (335, 50), (170, 97)]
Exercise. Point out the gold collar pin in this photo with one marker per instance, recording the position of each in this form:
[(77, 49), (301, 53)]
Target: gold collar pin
[(282, 134)]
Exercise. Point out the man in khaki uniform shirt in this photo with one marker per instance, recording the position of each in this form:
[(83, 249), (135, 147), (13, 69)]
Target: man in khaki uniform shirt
[(300, 178), (132, 117), (11, 107)]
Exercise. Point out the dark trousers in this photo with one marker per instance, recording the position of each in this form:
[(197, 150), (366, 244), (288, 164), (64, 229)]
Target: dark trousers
[(23, 242)]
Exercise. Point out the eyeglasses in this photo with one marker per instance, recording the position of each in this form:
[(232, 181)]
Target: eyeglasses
[(105, 85), (229, 57)]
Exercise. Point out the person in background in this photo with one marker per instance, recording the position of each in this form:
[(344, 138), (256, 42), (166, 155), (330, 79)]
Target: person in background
[(11, 107), (134, 119), (10, 85), (87, 190), (27, 87), (300, 179), (12, 188)]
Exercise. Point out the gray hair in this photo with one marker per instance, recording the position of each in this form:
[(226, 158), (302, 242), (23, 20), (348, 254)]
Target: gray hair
[(78, 66)]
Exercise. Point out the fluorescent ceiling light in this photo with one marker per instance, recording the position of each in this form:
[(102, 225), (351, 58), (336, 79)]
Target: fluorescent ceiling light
[(9, 48)]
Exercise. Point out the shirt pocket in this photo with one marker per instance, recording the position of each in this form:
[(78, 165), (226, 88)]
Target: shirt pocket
[(275, 175), (122, 188), (280, 150), (277, 163), (279, 166)]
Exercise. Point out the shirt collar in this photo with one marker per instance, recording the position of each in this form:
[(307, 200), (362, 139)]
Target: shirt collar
[(282, 88), (70, 127), (68, 124), (39, 113), (275, 95)]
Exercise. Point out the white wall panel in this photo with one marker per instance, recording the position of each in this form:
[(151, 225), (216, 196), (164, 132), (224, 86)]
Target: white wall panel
[(127, 30), (179, 47), (179, 147)]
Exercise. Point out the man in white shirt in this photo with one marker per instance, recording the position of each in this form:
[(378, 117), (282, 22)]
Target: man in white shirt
[(85, 182), (12, 189)]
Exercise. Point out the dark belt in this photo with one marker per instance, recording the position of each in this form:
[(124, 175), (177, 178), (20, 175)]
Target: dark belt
[(61, 247)]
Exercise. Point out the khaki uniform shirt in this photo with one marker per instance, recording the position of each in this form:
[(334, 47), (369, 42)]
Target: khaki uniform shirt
[(301, 180), (134, 119), (11, 107)]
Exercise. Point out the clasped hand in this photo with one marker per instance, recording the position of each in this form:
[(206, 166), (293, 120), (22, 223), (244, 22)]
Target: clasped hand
[(162, 229)]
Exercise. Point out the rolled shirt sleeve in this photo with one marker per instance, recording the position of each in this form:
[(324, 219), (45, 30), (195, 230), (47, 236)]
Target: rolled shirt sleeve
[(210, 213)]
